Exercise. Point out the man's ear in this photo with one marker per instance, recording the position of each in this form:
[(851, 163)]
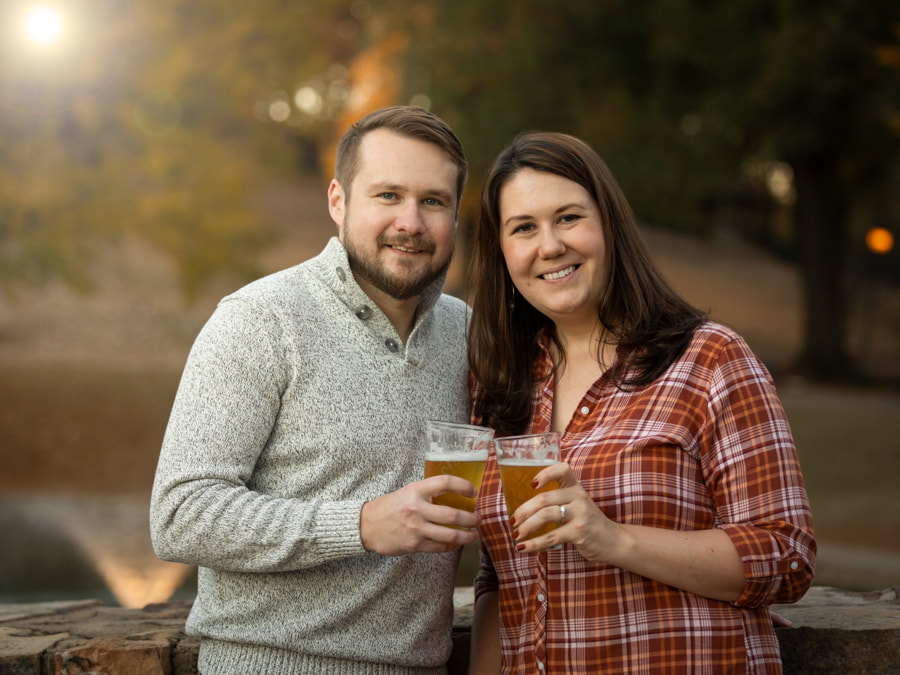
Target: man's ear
[(336, 205)]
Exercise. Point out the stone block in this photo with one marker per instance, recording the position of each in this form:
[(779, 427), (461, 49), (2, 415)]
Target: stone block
[(837, 651), (75, 638), (113, 656), (833, 631), (841, 633)]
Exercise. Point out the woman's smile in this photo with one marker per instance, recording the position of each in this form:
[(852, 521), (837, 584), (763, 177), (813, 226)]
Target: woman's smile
[(553, 276)]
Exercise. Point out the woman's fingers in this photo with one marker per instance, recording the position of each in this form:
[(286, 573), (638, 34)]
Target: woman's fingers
[(560, 472), (553, 508)]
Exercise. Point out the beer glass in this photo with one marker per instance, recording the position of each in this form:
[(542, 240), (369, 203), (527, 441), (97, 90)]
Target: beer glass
[(520, 458), (458, 450)]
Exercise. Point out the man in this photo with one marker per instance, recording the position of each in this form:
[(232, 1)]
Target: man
[(290, 472)]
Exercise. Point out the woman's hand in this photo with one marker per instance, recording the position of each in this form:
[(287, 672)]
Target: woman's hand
[(581, 522)]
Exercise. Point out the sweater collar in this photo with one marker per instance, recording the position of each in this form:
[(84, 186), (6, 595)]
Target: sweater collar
[(333, 267)]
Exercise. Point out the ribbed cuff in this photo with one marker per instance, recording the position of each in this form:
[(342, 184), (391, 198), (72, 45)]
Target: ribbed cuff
[(337, 529)]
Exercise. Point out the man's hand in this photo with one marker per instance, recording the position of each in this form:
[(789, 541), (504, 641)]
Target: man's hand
[(405, 521)]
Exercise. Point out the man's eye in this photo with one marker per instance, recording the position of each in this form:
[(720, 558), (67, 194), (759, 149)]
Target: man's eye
[(431, 201), (388, 195)]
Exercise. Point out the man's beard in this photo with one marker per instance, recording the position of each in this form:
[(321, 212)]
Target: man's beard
[(400, 288)]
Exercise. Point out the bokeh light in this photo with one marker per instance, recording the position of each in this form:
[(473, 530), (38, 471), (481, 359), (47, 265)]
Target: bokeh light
[(279, 110), (308, 100), (879, 240), (780, 180)]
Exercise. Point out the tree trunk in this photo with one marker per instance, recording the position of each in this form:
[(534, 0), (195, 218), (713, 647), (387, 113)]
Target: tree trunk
[(821, 226)]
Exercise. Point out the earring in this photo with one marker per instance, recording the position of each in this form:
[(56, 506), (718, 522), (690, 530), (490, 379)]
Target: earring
[(512, 303)]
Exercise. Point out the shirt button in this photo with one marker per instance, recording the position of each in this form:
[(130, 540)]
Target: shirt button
[(391, 344), (540, 666), (340, 273), (540, 597), (795, 565), (363, 312), (585, 410)]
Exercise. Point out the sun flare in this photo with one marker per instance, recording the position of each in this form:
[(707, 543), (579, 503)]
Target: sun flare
[(43, 25)]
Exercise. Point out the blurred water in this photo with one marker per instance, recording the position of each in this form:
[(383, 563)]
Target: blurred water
[(64, 547)]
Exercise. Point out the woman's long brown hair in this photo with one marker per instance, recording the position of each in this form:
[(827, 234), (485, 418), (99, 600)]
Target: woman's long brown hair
[(639, 312)]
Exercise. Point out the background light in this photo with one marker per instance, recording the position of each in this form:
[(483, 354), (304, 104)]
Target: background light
[(879, 240), (43, 25)]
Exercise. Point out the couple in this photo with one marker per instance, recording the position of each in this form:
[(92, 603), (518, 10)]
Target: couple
[(291, 468)]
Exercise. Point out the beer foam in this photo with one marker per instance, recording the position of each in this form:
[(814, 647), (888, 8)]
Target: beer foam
[(441, 455), (517, 461)]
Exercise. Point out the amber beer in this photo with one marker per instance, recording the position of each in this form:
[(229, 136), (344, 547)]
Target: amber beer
[(457, 450), (516, 476), (520, 459), (471, 468)]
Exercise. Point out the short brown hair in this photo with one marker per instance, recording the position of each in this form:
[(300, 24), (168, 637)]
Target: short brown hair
[(410, 121)]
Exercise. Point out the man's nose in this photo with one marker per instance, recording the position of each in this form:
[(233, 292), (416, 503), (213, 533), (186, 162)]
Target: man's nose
[(409, 219)]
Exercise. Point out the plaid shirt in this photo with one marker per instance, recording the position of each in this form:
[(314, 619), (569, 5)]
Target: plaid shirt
[(707, 445)]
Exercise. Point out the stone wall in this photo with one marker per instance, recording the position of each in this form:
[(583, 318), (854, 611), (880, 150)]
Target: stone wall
[(833, 631)]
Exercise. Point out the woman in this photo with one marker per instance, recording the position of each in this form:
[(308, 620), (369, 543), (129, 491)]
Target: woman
[(682, 510)]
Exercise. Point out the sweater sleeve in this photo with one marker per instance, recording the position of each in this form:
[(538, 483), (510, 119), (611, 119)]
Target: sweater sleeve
[(204, 510), (754, 476)]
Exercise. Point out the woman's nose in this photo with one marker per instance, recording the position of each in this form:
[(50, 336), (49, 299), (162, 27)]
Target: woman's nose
[(551, 245)]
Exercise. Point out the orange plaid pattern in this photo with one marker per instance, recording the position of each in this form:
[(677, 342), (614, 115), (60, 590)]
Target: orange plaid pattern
[(706, 445)]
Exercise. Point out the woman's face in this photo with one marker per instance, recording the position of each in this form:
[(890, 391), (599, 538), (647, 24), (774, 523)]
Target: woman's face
[(552, 239)]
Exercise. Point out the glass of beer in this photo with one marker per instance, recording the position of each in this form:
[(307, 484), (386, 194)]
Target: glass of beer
[(520, 458), (458, 450)]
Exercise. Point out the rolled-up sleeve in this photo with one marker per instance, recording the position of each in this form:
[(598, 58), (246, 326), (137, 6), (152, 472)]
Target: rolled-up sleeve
[(778, 567), (754, 475)]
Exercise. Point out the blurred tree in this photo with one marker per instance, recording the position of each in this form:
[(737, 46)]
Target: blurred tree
[(689, 99), (159, 120), (824, 99), (804, 83)]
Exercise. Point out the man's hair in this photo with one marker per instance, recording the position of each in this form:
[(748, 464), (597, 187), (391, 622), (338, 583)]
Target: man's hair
[(409, 121)]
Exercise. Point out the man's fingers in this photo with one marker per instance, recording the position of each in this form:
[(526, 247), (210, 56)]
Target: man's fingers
[(436, 485), (448, 516), (448, 536)]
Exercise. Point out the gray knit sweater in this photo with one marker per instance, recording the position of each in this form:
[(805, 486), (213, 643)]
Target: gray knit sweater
[(298, 403)]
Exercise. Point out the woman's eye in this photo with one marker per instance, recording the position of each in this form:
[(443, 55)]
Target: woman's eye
[(569, 218), (524, 227)]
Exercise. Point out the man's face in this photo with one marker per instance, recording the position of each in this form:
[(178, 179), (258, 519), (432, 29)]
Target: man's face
[(398, 223)]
